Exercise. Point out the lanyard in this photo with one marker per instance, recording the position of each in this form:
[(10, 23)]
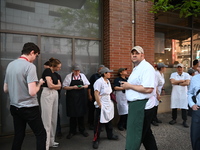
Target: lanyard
[(24, 58)]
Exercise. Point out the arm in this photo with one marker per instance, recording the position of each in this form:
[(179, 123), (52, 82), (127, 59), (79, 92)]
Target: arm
[(33, 88), (191, 92), (51, 85), (89, 95), (185, 83), (117, 88), (138, 88), (5, 87), (97, 98), (176, 82)]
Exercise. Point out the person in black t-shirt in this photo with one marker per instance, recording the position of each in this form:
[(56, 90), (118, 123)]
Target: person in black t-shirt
[(49, 101)]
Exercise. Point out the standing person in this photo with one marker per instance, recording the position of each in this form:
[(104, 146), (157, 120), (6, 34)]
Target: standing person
[(104, 107), (75, 83), (161, 67), (21, 85), (195, 126), (195, 66), (122, 103), (49, 101), (91, 97), (139, 89), (179, 80), (58, 126)]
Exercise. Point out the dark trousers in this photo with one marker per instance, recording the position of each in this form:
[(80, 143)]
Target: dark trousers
[(184, 114), (73, 124), (123, 121), (195, 130), (155, 114), (148, 139), (58, 127), (32, 116), (91, 110), (97, 126)]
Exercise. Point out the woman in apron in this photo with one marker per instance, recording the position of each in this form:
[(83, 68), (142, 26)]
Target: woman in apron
[(104, 107), (75, 83), (122, 103)]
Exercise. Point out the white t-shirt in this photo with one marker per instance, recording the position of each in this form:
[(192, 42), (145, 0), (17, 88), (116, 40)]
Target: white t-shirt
[(143, 74), (161, 81), (68, 79)]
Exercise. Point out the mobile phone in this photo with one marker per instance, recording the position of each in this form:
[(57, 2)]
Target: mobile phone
[(79, 86)]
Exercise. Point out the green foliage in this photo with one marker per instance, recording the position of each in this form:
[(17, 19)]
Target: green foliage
[(185, 7)]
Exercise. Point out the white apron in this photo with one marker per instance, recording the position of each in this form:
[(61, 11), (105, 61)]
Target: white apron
[(179, 97), (122, 103)]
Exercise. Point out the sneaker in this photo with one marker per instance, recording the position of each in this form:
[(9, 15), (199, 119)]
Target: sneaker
[(154, 123), (95, 144), (185, 124), (85, 134), (158, 121), (114, 137), (55, 144), (172, 122), (70, 135)]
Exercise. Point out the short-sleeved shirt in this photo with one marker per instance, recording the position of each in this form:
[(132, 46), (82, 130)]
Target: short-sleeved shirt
[(19, 74), (143, 74), (92, 80), (101, 85), (117, 81), (48, 73), (161, 81), (68, 79)]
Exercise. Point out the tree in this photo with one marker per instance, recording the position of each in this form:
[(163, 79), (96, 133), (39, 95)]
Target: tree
[(185, 8)]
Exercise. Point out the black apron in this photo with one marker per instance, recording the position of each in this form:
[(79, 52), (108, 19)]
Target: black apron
[(76, 100)]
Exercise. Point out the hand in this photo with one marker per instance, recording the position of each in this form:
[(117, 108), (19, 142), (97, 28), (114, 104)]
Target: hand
[(90, 97), (195, 107), (41, 81), (125, 85)]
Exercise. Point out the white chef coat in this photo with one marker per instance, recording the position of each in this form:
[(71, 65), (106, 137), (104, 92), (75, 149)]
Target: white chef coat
[(179, 93), (107, 106)]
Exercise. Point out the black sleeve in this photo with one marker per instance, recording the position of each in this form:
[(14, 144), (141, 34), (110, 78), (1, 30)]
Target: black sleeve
[(46, 72), (116, 82), (92, 80)]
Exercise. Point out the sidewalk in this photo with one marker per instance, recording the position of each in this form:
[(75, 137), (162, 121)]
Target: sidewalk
[(168, 137)]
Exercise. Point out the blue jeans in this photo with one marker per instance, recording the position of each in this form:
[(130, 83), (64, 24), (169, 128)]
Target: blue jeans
[(195, 130), (32, 116)]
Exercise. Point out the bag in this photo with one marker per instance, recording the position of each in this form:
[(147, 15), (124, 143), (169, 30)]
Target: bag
[(194, 96), (113, 97)]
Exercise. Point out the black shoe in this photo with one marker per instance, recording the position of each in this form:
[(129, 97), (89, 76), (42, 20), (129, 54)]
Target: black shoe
[(185, 124), (172, 122), (95, 144), (114, 137), (154, 123), (70, 135), (121, 128), (85, 134), (158, 121)]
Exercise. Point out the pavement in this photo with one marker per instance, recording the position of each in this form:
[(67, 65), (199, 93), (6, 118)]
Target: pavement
[(168, 137)]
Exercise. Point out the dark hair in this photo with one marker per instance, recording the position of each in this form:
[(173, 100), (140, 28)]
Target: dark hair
[(54, 62), (47, 63), (195, 62), (28, 47), (159, 68)]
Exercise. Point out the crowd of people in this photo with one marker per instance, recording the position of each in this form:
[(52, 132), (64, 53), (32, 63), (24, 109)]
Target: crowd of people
[(137, 99)]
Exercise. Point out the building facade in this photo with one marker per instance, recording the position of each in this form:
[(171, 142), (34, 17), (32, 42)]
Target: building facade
[(93, 32)]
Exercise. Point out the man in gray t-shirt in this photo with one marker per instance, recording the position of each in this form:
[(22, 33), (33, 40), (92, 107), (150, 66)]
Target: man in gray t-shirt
[(21, 85)]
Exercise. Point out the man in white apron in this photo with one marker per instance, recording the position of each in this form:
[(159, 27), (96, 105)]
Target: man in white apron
[(179, 80)]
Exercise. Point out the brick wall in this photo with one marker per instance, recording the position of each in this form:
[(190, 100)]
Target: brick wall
[(144, 29), (117, 32)]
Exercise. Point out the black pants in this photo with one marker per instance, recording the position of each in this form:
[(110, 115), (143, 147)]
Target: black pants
[(148, 138), (58, 127), (184, 114), (97, 126), (73, 124), (155, 114), (123, 121), (91, 110), (32, 116)]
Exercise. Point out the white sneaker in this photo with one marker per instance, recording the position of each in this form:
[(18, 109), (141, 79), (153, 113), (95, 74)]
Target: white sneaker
[(55, 144)]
